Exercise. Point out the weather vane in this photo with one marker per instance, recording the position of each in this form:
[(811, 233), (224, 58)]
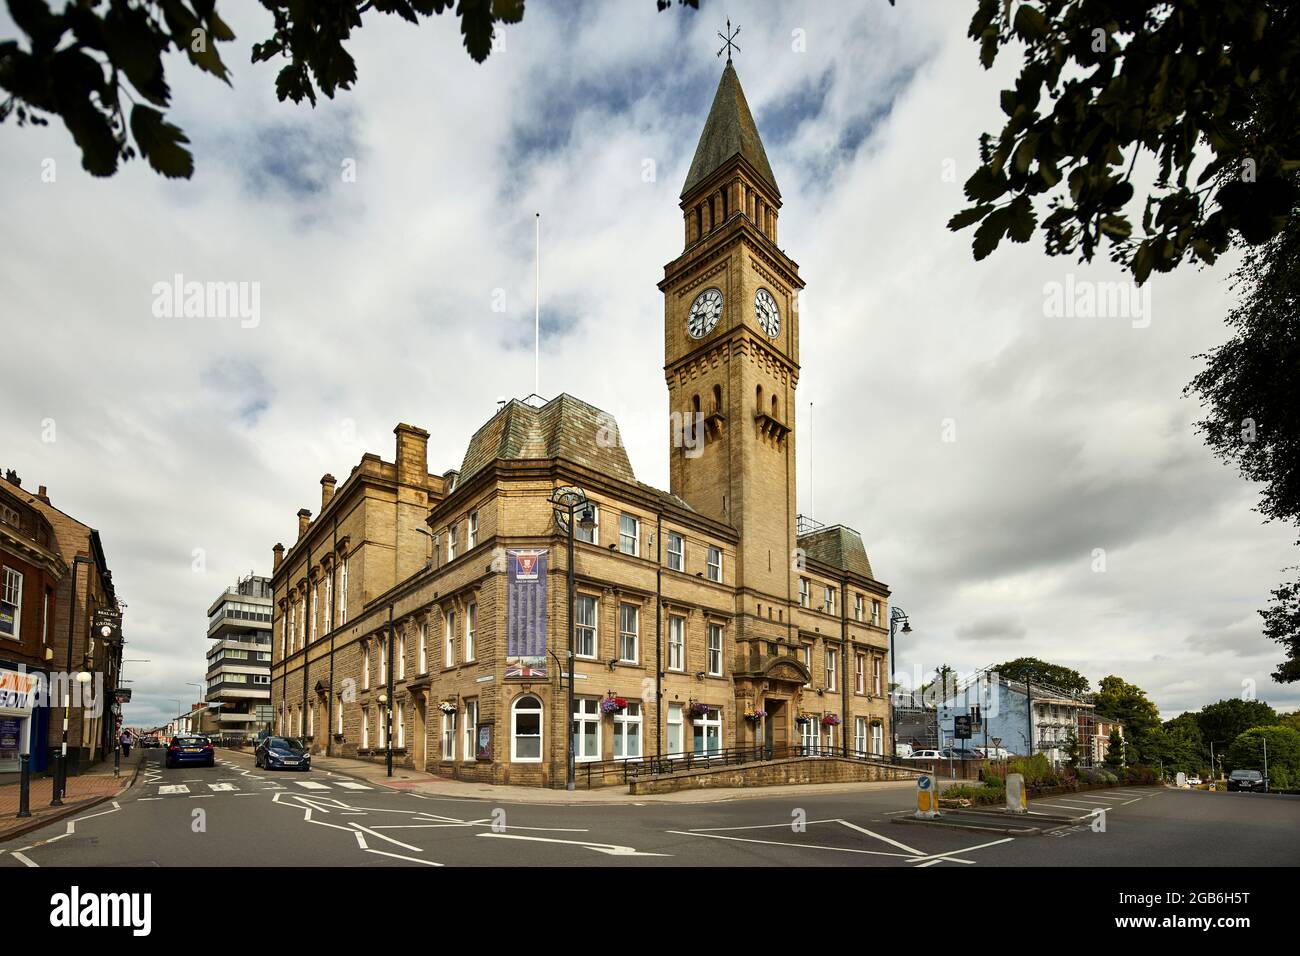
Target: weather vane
[(728, 40)]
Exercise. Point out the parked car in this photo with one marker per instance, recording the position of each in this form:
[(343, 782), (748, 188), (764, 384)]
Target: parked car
[(926, 755), (150, 741), (994, 753), (191, 748), (274, 753), (903, 751), (1194, 781), (1247, 780), (961, 753)]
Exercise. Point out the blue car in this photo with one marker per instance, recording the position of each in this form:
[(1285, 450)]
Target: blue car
[(276, 753), (191, 748)]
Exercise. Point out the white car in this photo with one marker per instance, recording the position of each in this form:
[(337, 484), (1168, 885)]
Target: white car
[(926, 755), (1193, 781)]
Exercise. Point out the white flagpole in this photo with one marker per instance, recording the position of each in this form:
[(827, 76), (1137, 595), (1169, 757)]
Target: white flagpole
[(537, 310)]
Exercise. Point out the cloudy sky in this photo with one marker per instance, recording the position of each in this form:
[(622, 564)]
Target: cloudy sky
[(985, 448)]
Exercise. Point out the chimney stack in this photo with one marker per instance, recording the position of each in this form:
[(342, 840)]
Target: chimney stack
[(304, 519), (412, 455), (278, 551), (327, 484), (43, 495)]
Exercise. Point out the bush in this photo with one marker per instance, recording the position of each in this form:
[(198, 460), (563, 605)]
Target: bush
[(1035, 770), (982, 795), (1139, 774)]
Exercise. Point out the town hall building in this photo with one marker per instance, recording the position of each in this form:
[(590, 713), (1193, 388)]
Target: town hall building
[(707, 617)]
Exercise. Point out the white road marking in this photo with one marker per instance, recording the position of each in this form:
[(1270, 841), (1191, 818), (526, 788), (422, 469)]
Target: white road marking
[(398, 856), (797, 846), (612, 849), (949, 853), (173, 788), (310, 785), (404, 846), (222, 787), (901, 846), (17, 855), (761, 826), (353, 786)]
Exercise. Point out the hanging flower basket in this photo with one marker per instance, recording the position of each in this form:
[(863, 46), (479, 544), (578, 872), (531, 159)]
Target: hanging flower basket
[(613, 705), (831, 720), (755, 714), (699, 710), (805, 719), (447, 707)]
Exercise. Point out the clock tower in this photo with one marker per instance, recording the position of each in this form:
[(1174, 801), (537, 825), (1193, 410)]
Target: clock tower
[(731, 351)]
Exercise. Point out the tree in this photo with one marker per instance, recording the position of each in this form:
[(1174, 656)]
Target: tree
[(1247, 751), (79, 62), (1128, 705), (1038, 671), (1115, 750), (1202, 87), (1225, 720), (1250, 389), (1072, 749)]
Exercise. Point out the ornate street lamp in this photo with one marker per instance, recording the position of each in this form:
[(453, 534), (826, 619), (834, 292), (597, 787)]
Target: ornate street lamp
[(571, 506), (897, 617)]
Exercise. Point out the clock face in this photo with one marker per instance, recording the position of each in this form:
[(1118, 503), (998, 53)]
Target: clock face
[(705, 313), (768, 315)]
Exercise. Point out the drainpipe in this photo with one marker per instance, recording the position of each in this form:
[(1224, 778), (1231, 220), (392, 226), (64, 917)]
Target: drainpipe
[(334, 600), (1029, 698), (306, 630), (659, 660), (844, 681)]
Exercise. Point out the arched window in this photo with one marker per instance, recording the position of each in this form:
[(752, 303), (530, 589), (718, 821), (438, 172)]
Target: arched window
[(717, 398), (758, 399), (724, 205), (526, 730), (775, 409), (695, 403)]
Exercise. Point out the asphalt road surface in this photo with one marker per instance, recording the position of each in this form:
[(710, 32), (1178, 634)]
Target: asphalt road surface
[(237, 815)]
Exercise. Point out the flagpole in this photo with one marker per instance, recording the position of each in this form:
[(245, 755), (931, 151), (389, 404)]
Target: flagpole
[(537, 308)]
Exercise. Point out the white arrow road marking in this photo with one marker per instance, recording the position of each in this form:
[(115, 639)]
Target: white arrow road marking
[(612, 849), (797, 846), (936, 857)]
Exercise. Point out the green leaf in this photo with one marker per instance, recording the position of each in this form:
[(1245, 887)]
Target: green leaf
[(1021, 219), (990, 233), (160, 143), (970, 216)]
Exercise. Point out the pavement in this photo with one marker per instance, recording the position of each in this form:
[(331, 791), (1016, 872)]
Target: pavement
[(93, 785), (235, 814), (428, 784)]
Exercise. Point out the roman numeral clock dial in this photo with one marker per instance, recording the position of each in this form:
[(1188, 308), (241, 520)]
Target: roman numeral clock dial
[(768, 315), (705, 312)]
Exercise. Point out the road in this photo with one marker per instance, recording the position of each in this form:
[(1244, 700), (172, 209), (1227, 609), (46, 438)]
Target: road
[(237, 815)]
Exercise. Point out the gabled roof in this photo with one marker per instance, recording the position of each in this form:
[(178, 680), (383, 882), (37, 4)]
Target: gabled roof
[(565, 427), (728, 132), (840, 547)]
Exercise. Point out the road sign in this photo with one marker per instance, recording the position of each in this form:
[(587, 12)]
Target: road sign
[(961, 727), (927, 797)]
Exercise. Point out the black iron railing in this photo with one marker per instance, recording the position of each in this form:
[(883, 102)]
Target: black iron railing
[(600, 773)]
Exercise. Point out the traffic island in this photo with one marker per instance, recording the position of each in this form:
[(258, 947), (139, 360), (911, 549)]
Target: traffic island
[(1015, 819)]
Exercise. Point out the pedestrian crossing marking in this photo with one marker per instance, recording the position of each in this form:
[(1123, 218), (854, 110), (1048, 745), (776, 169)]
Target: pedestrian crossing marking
[(222, 786), (353, 786), (309, 785), (173, 788)]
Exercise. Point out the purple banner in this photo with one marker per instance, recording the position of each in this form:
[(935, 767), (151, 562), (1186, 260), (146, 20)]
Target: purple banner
[(526, 613)]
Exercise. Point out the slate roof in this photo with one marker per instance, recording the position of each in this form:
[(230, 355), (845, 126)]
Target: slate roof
[(565, 427), (729, 131), (839, 547)]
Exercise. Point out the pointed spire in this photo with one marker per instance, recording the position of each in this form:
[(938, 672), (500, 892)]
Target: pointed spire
[(728, 132)]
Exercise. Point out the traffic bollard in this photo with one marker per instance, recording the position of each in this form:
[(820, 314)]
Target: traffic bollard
[(25, 785)]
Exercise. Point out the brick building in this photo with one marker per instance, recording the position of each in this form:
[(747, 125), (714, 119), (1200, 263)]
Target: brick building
[(706, 617), (43, 551)]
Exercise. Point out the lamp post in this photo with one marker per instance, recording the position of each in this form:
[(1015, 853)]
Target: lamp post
[(387, 697), (897, 617), (569, 503)]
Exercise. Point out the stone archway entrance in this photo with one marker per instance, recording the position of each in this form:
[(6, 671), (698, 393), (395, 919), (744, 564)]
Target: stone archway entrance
[(776, 687)]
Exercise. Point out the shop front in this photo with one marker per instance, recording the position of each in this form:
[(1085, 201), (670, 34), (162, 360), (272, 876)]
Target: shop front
[(23, 726)]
